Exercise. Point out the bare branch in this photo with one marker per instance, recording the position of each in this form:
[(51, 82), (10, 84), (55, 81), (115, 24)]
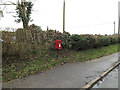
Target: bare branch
[(7, 4)]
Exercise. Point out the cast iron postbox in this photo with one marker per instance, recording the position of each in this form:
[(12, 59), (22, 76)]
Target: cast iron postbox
[(58, 44)]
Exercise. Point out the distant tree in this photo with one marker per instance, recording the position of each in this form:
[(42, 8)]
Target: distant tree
[(24, 10), (1, 13), (3, 7)]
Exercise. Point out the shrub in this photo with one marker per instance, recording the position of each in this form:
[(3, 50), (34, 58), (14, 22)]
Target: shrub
[(97, 43), (78, 42), (106, 41), (8, 45), (102, 41), (118, 39), (113, 40), (91, 41)]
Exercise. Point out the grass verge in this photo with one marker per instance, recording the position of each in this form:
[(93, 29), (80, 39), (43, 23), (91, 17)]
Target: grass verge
[(22, 68)]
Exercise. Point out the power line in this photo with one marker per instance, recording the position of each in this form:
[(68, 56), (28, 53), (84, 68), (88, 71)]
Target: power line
[(85, 26)]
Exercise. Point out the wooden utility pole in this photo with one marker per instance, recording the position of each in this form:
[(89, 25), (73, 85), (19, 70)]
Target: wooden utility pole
[(114, 27), (119, 19), (64, 16), (47, 28)]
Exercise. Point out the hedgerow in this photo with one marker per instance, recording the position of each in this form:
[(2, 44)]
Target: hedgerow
[(24, 43)]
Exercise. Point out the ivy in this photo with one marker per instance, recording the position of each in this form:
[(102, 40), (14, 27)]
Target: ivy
[(23, 11)]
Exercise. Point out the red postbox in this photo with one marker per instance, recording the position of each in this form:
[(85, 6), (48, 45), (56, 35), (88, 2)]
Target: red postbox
[(58, 44)]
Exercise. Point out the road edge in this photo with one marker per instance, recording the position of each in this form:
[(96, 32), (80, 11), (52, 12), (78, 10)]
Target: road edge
[(91, 83)]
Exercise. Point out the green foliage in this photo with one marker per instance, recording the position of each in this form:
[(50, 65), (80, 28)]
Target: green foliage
[(113, 40), (98, 42), (118, 39), (35, 27), (103, 41), (78, 42), (64, 39), (91, 41)]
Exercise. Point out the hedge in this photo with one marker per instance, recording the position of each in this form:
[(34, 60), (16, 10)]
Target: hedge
[(23, 42), (79, 42)]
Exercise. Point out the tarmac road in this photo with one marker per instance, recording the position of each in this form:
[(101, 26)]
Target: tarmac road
[(70, 75)]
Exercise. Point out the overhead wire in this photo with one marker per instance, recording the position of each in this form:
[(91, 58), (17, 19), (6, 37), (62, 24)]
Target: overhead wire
[(85, 26)]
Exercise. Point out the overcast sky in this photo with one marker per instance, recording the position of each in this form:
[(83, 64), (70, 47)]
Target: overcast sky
[(82, 16)]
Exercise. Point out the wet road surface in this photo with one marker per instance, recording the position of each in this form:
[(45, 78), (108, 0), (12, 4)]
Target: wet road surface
[(71, 75), (110, 80)]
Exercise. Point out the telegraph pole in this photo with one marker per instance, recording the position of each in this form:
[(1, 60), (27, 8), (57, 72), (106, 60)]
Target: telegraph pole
[(114, 27), (64, 16), (118, 31)]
